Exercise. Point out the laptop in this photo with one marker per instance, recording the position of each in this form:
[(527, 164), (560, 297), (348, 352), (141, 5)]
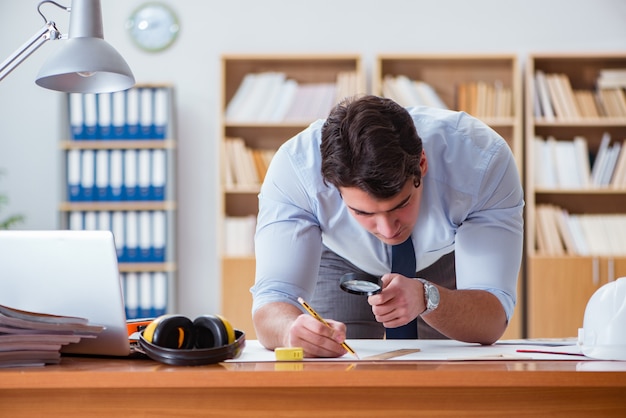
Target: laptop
[(71, 273)]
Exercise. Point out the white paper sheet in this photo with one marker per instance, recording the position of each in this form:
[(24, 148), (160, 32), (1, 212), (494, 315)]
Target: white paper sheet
[(434, 350)]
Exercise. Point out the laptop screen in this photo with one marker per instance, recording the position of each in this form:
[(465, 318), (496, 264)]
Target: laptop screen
[(71, 273)]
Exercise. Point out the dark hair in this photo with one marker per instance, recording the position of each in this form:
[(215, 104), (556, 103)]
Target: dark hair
[(370, 143)]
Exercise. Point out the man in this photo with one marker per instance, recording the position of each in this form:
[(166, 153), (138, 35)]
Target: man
[(340, 194)]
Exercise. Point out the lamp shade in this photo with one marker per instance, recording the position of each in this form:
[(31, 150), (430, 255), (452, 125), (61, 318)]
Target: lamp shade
[(86, 63)]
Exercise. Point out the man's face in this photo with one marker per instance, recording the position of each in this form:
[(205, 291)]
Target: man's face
[(390, 220)]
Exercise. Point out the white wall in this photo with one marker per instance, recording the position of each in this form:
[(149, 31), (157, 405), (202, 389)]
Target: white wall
[(31, 123)]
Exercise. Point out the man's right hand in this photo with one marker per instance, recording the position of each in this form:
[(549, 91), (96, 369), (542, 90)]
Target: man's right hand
[(281, 324), (315, 338)]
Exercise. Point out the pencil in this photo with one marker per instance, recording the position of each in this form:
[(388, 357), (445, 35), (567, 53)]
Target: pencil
[(323, 321)]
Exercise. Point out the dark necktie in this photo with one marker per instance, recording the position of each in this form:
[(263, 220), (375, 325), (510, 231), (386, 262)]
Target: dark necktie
[(403, 262)]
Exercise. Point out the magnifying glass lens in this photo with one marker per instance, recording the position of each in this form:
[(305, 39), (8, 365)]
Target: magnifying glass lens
[(360, 284)]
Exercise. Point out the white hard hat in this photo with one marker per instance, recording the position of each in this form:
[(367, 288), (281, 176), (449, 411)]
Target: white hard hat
[(603, 335)]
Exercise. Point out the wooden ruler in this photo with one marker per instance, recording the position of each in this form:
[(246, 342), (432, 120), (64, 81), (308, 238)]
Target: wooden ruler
[(392, 354)]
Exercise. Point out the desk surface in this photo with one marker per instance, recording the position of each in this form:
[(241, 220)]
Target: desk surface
[(110, 387)]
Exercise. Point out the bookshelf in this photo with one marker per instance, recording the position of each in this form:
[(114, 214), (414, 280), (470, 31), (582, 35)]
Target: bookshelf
[(118, 162), (261, 108), (468, 82), (452, 76), (566, 260)]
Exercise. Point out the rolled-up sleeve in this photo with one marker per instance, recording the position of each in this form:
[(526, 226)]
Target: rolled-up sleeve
[(288, 241), (489, 242)]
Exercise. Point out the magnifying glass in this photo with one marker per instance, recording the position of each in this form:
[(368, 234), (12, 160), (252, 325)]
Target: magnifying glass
[(360, 284)]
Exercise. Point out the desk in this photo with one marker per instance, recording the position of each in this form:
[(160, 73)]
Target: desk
[(87, 387)]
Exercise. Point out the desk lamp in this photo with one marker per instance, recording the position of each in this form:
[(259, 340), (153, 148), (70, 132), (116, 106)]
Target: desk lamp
[(85, 64)]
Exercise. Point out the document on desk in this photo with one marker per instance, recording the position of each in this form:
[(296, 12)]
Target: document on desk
[(430, 350)]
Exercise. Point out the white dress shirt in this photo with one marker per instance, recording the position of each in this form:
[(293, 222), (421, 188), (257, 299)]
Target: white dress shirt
[(472, 203)]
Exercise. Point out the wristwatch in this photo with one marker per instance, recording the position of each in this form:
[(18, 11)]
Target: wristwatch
[(431, 296)]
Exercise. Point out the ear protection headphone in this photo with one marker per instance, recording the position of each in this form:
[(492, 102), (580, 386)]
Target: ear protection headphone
[(176, 340)]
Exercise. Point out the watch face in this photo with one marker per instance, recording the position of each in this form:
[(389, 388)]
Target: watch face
[(433, 295), (153, 27)]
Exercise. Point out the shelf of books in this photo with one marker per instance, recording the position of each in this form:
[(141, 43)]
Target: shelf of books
[(575, 185), (266, 100), (487, 86), (119, 175)]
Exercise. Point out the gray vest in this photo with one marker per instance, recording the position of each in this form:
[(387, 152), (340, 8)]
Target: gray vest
[(354, 311)]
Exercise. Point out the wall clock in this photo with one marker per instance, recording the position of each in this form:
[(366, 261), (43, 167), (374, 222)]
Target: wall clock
[(153, 26)]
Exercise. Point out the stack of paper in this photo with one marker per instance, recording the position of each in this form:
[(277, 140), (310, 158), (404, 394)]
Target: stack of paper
[(35, 339)]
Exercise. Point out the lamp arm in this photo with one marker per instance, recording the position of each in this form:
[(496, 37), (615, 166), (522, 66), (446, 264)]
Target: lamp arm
[(48, 32)]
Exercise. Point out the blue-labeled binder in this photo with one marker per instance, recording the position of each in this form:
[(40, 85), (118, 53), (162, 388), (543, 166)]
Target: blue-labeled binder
[(159, 293), (116, 174), (118, 115), (75, 221), (104, 220), (161, 108), (90, 221), (87, 175), (143, 174), (74, 187), (131, 237), (145, 295), (105, 131), (132, 114), (159, 236), (90, 106), (131, 294), (118, 227), (145, 237), (158, 175), (130, 189), (146, 113), (77, 121), (103, 186)]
